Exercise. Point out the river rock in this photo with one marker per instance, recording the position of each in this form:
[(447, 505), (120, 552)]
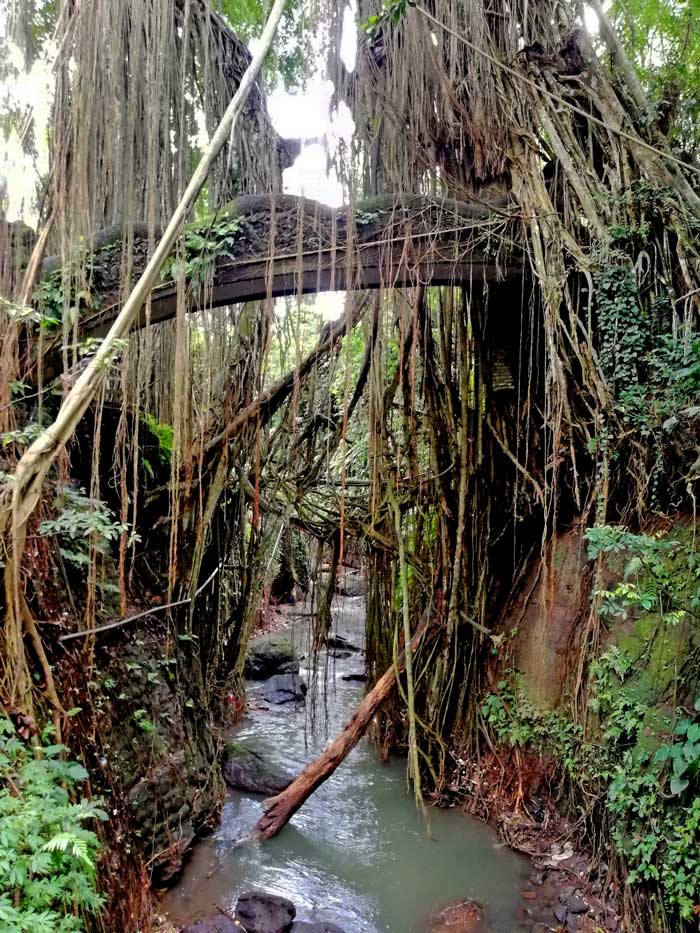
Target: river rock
[(271, 656), (355, 677), (265, 913), (340, 643), (576, 905), (245, 770), (461, 917), (284, 688), (212, 925)]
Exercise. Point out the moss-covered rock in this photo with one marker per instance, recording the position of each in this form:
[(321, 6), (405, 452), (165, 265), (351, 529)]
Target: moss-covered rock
[(245, 770), (271, 655), (162, 771)]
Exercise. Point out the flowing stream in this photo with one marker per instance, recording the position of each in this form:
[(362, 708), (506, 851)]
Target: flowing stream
[(358, 853)]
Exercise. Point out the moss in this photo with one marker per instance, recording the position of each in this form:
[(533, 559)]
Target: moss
[(657, 649), (662, 675), (236, 750), (657, 726)]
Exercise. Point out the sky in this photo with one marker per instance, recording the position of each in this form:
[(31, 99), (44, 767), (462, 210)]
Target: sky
[(304, 114)]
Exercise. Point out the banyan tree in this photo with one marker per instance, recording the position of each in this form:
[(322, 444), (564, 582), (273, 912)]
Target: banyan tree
[(518, 253)]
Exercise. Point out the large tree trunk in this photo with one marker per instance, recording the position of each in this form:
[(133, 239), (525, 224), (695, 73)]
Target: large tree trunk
[(280, 809)]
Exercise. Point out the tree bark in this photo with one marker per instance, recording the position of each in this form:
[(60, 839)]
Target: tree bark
[(280, 809)]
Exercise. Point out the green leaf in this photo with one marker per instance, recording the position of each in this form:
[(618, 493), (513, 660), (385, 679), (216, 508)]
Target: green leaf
[(678, 785)]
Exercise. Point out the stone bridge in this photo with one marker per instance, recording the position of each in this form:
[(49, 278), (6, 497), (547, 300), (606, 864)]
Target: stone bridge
[(264, 246)]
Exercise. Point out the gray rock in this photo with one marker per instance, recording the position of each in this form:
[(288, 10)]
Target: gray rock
[(245, 770), (265, 913), (560, 913), (355, 677), (269, 656), (576, 905), (284, 688), (212, 925), (340, 643)]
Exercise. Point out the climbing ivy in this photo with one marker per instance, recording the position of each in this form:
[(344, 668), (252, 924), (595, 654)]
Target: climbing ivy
[(204, 243), (621, 326)]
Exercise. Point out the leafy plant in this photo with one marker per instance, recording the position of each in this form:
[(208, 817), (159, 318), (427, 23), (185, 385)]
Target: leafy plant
[(652, 799), (204, 243), (81, 519), (660, 574), (47, 855), (621, 325), (22, 436), (393, 12), (684, 753), (163, 434), (143, 722)]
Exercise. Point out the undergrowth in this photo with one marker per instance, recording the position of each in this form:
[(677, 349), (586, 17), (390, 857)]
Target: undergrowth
[(47, 855), (637, 755)]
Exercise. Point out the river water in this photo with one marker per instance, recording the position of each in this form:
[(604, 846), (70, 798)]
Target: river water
[(358, 853)]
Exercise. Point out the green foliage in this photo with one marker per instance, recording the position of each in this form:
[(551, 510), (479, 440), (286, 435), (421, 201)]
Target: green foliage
[(22, 437), (47, 856), (652, 800), (655, 383), (143, 722), (204, 243), (621, 325), (650, 784), (393, 12), (660, 575), (683, 753), (670, 390), (662, 38), (293, 50), (52, 303), (517, 722), (80, 521), (656, 817), (163, 434)]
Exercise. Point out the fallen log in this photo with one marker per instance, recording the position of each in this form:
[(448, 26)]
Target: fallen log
[(280, 809)]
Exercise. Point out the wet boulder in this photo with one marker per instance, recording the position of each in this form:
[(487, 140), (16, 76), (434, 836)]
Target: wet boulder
[(244, 769), (340, 655), (358, 677), (270, 656), (340, 643), (284, 688), (259, 912)]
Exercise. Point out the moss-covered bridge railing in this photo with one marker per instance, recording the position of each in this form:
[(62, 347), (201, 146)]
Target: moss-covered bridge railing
[(262, 247)]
